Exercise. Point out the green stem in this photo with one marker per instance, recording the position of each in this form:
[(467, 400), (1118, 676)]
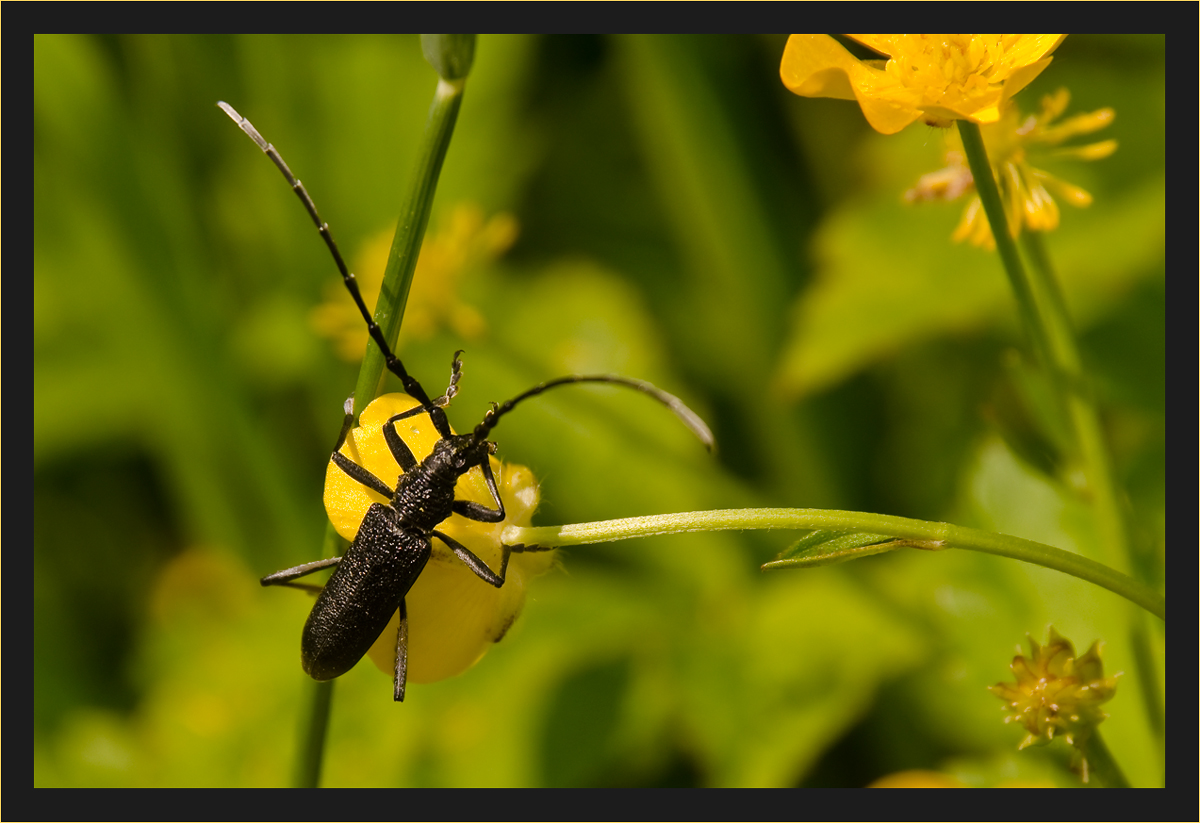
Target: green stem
[(1085, 418), (931, 534), (1100, 762), (410, 231), (989, 195), (1106, 502), (312, 750), (450, 55), (1044, 311), (1044, 314), (1146, 667)]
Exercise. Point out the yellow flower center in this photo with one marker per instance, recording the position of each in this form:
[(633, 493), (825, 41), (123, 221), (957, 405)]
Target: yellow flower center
[(969, 62)]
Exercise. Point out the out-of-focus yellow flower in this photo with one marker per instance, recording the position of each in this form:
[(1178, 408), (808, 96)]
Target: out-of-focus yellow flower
[(466, 242), (1024, 189), (1057, 693), (933, 77), (927, 779), (917, 779), (453, 616)]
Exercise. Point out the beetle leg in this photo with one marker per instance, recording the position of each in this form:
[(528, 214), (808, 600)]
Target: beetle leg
[(286, 576), (401, 453), (436, 415), (349, 466), (363, 476), (474, 563), (401, 654), (478, 511)]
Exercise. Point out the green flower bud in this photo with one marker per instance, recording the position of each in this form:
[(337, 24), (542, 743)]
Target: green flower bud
[(451, 55)]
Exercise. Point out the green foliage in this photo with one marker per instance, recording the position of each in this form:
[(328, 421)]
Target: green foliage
[(684, 219)]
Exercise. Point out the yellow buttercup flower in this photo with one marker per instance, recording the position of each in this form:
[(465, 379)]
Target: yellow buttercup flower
[(1025, 190), (1057, 693), (936, 78), (465, 242), (453, 616)]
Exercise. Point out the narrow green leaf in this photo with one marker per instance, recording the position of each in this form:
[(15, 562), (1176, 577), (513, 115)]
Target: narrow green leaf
[(824, 548)]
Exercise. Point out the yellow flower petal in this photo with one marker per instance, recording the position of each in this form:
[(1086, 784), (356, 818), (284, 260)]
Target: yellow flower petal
[(1022, 77), (879, 43), (1067, 191), (1027, 49), (816, 65), (1079, 124), (1041, 212), (1092, 151)]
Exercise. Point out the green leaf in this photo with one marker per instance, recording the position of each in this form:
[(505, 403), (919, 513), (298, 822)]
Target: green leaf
[(824, 548)]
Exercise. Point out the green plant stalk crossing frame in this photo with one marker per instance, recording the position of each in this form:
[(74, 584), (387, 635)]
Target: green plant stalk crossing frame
[(410, 231), (989, 195), (389, 312), (1044, 315), (1044, 312), (911, 533)]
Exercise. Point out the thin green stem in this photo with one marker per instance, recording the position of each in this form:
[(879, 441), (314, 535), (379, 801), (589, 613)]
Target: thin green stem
[(1043, 309), (312, 749), (1107, 505), (989, 194), (1085, 418), (1100, 762), (410, 231), (930, 534), (1146, 668), (452, 54)]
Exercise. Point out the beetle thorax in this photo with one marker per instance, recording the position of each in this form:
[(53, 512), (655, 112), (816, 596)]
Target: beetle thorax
[(425, 495)]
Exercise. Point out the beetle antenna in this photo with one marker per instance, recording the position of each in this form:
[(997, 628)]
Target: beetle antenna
[(411, 386), (686, 415)]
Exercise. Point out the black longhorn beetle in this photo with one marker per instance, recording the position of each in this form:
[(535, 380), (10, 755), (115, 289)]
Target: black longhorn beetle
[(393, 542)]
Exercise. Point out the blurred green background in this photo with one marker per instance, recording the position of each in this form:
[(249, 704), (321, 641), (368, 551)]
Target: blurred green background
[(683, 219)]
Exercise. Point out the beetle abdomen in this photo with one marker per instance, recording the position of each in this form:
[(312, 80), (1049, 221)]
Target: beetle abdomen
[(362, 595)]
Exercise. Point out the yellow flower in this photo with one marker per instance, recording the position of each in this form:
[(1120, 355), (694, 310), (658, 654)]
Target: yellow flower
[(934, 77), (1057, 693), (465, 243), (453, 616), (1024, 189), (917, 779)]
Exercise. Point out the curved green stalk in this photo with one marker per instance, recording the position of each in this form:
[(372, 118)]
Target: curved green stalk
[(1044, 312), (903, 531), (451, 55), (1044, 315)]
